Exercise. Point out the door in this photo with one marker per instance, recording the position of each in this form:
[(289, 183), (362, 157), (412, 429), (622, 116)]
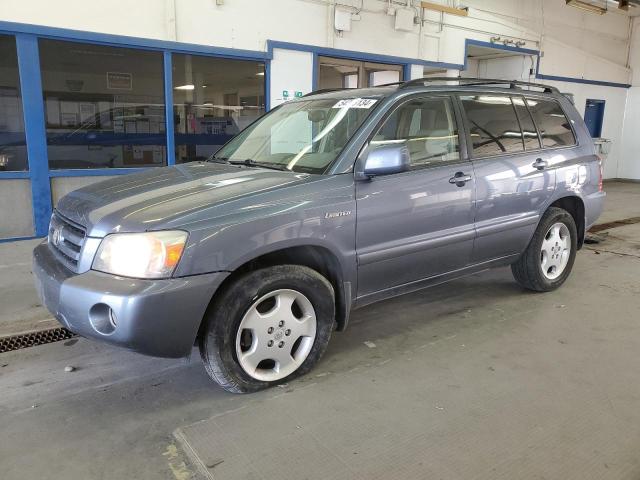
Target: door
[(416, 224), (594, 116), (515, 177)]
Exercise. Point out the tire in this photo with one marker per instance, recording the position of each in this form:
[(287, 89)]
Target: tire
[(272, 305), (556, 230)]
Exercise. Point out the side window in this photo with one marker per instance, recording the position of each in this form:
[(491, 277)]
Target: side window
[(554, 126), (493, 125), (428, 127), (529, 133)]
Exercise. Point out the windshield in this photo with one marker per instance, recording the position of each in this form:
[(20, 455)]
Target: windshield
[(302, 136)]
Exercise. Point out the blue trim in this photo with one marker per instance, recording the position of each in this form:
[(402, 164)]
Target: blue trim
[(315, 72), (34, 126), (122, 40), (13, 175), (168, 108), (584, 81), (267, 85), (354, 55), (406, 72), (497, 46), (96, 172)]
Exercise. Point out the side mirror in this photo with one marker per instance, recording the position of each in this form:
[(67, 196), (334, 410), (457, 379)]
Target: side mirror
[(383, 160)]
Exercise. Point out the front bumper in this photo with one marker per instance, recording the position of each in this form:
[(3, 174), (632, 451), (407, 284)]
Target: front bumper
[(153, 317)]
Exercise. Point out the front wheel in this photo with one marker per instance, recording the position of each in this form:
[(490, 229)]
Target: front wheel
[(267, 327), (548, 260)]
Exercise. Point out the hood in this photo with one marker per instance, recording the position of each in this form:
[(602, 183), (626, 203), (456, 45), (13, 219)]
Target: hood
[(164, 197)]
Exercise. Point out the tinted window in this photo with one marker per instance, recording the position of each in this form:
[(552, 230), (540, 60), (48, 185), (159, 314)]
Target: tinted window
[(529, 133), (428, 127), (13, 150), (104, 105), (493, 125), (554, 126)]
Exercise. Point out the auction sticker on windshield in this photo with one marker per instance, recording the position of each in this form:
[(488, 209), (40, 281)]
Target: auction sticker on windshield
[(355, 103)]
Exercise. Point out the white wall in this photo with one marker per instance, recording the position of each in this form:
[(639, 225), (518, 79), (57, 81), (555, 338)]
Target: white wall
[(574, 43), (630, 157)]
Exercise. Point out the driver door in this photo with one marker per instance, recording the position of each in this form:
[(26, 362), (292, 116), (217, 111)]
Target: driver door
[(418, 224)]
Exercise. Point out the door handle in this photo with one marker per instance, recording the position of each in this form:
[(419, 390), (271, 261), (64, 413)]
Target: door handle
[(460, 179), (540, 164)]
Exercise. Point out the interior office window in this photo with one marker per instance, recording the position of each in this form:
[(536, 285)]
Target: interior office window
[(104, 105), (13, 147), (529, 132), (427, 126), (213, 100), (345, 73), (493, 124), (554, 126)]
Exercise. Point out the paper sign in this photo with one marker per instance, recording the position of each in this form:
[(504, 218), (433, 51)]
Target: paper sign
[(355, 103)]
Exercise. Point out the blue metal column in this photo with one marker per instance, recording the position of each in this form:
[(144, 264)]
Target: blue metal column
[(35, 132), (168, 109)]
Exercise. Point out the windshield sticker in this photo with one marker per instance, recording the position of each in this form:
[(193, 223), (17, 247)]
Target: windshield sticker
[(355, 103)]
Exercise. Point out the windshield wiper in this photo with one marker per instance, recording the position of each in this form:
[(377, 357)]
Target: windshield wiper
[(252, 163)]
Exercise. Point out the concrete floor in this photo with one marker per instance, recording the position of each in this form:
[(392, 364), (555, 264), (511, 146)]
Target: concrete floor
[(474, 379)]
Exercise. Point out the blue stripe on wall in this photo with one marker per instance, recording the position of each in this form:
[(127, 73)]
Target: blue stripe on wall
[(34, 123)]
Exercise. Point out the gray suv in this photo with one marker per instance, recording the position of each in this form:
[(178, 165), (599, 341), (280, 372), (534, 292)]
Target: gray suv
[(327, 203)]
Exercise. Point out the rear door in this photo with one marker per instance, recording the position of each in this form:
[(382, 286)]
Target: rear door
[(514, 176), (416, 224)]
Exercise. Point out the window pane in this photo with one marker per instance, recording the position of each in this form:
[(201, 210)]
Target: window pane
[(428, 127), (493, 125), (13, 149), (552, 123), (104, 106), (531, 141), (213, 100)]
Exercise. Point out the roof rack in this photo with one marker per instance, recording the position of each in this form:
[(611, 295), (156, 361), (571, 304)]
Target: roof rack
[(462, 81), (470, 81)]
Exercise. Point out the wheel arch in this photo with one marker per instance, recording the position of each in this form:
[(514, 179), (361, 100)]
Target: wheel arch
[(575, 206), (316, 257)]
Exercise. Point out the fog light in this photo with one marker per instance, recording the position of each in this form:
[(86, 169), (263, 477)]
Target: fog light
[(103, 319)]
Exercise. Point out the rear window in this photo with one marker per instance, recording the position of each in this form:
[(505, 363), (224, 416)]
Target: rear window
[(553, 124), (493, 125)]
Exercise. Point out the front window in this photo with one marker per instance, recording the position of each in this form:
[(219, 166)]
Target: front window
[(302, 136)]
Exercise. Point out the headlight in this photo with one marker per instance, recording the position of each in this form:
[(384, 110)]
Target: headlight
[(140, 255)]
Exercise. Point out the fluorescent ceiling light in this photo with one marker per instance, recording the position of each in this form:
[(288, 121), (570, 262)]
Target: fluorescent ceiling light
[(260, 74), (589, 7), (185, 87)]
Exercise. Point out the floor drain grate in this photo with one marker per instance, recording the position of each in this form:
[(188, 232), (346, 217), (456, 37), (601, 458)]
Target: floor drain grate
[(16, 342), (618, 223)]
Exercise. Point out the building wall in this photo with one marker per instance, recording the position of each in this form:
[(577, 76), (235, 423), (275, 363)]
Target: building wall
[(630, 158), (575, 48)]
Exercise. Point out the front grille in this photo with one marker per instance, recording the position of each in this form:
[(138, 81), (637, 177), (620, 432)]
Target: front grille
[(16, 342), (66, 239)]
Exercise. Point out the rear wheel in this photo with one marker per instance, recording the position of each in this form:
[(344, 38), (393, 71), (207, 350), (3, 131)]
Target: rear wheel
[(548, 260), (267, 327)]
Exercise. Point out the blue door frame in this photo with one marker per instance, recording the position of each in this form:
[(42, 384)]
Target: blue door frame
[(594, 116)]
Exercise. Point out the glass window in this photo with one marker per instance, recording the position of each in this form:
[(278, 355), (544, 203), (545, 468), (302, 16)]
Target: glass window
[(344, 73), (428, 127), (493, 125), (13, 147), (213, 100), (104, 105), (529, 133), (554, 126), (302, 135)]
